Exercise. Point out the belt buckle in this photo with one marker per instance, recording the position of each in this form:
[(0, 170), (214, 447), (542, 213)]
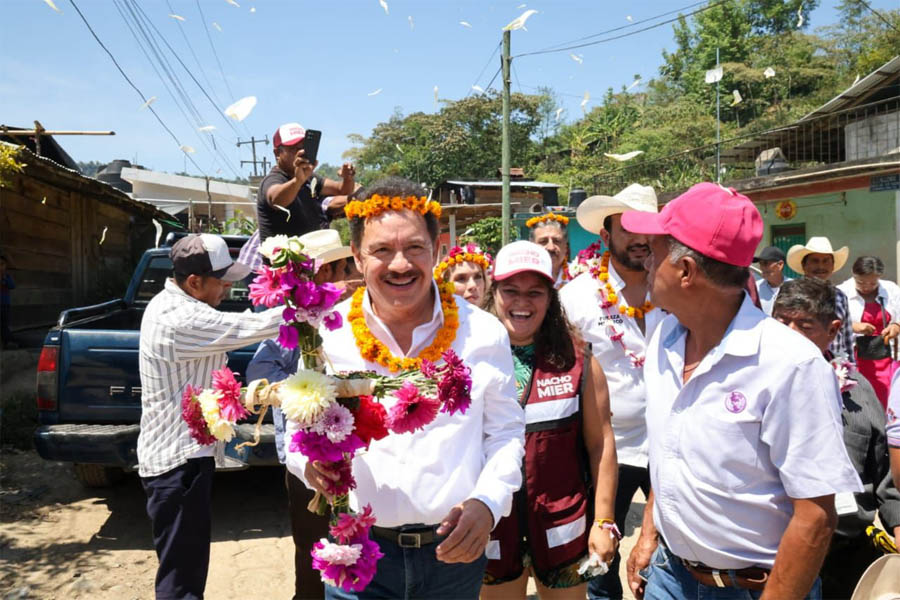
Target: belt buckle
[(717, 577), (409, 540)]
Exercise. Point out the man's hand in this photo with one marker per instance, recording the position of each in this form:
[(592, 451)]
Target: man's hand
[(890, 332), (603, 543), (863, 328), (347, 172), (469, 525), (319, 475), (637, 560), (303, 169)]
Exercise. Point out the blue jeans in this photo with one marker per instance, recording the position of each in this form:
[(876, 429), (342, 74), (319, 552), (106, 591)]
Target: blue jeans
[(668, 579), (409, 573)]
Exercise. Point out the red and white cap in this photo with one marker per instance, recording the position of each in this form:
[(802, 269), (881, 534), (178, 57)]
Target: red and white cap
[(289, 134), (520, 257)]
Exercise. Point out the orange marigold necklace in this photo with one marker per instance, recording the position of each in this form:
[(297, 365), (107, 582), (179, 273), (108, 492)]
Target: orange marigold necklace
[(601, 274), (373, 350)]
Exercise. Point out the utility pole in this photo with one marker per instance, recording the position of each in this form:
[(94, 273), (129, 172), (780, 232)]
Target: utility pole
[(505, 156), (718, 121), (253, 142)]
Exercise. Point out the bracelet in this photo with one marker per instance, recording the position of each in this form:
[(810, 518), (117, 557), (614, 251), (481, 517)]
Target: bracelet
[(600, 522), (612, 528)]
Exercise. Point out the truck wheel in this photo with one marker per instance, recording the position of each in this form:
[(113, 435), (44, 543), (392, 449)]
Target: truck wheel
[(93, 475)]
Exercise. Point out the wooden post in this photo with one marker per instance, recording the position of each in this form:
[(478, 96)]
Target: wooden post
[(505, 150)]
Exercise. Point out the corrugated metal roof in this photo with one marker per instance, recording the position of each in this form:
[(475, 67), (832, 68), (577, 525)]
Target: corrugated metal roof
[(519, 184), (859, 90)]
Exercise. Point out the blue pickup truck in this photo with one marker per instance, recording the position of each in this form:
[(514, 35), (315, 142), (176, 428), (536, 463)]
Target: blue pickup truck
[(89, 387)]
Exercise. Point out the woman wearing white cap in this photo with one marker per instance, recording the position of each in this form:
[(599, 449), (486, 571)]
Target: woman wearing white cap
[(570, 456)]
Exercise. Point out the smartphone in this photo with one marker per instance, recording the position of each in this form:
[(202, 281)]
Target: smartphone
[(311, 144)]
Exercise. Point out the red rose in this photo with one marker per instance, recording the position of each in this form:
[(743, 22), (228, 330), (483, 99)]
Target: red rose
[(369, 420)]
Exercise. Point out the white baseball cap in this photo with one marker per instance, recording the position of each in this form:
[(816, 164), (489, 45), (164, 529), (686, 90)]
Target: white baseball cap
[(522, 256)]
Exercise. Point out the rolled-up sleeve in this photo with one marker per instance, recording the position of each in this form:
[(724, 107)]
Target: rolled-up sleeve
[(205, 330), (504, 437), (802, 429)]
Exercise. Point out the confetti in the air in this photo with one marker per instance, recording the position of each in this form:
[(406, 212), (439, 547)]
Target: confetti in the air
[(629, 18), (177, 17), (52, 5), (149, 101), (253, 9), (103, 236), (217, 26), (44, 201), (375, 93), (384, 6), (800, 16), (558, 113), (714, 75), (207, 128), (579, 58), (435, 94), (159, 231), (285, 211), (240, 109), (412, 24), (634, 84), (623, 157), (478, 89), (519, 22), (233, 3), (737, 98), (399, 149), (187, 149), (585, 100), (769, 73), (466, 24), (521, 6)]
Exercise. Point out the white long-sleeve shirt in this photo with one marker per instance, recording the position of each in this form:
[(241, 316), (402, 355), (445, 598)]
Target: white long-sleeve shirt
[(888, 294), (416, 478)]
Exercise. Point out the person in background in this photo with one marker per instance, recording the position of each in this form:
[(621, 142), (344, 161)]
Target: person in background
[(550, 231), (6, 285), (468, 269), (875, 314), (743, 420), (892, 429), (563, 391), (818, 259), (771, 267), (807, 306)]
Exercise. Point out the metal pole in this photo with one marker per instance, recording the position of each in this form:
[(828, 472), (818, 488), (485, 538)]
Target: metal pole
[(505, 156), (718, 146)]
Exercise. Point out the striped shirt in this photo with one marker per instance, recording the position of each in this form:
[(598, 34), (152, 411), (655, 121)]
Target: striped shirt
[(183, 340)]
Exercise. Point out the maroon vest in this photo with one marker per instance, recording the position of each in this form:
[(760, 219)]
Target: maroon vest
[(552, 512)]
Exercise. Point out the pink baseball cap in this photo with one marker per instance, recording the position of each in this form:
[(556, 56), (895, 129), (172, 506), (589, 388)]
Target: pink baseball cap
[(289, 134), (715, 221), (519, 257)]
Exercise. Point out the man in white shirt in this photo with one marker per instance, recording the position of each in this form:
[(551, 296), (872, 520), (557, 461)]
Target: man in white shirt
[(436, 493), (743, 419), (618, 341), (183, 340), (771, 267)]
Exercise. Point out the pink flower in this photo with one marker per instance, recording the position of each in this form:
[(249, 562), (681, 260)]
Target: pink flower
[(336, 423), (316, 446), (350, 526), (288, 337), (193, 417), (230, 405), (333, 321), (455, 384), (353, 577), (266, 288), (345, 481), (412, 411)]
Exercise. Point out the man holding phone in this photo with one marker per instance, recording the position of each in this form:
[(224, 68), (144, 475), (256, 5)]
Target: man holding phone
[(289, 199)]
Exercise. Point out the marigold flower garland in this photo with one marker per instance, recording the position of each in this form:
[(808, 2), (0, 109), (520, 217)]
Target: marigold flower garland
[(377, 204), (371, 349), (471, 253), (533, 221)]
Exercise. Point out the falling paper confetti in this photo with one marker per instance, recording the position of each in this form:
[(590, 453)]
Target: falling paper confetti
[(240, 109), (187, 149), (585, 100), (714, 75), (399, 149), (800, 16), (375, 93), (577, 58), (629, 18), (521, 6), (634, 83), (769, 72), (466, 24), (217, 26), (435, 94), (855, 81), (558, 113), (284, 210), (44, 201), (52, 5), (519, 22), (206, 128), (177, 17), (412, 24), (149, 101), (478, 89), (737, 98), (233, 3), (159, 230), (384, 6), (623, 157), (253, 9), (103, 236)]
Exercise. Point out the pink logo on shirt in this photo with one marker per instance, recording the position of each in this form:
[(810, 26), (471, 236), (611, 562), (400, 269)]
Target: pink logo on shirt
[(735, 402)]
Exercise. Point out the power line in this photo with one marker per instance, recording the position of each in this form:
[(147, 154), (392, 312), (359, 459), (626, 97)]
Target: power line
[(131, 83), (491, 82), (621, 36), (879, 15), (486, 65)]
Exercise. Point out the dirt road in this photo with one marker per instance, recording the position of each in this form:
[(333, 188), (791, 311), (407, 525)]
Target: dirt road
[(61, 540)]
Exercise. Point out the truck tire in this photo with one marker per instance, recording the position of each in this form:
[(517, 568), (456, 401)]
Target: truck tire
[(95, 476)]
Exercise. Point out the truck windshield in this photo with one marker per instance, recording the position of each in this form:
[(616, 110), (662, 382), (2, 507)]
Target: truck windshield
[(160, 268)]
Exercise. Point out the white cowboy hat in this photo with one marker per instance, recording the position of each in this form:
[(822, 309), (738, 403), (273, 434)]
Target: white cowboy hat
[(881, 581), (325, 245), (594, 210), (816, 245)]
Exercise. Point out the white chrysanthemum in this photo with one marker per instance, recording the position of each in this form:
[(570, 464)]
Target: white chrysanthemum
[(273, 245), (305, 395), (220, 428)]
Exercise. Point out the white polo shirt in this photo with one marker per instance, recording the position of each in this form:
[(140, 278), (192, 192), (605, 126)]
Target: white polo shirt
[(627, 395), (418, 477), (758, 423)]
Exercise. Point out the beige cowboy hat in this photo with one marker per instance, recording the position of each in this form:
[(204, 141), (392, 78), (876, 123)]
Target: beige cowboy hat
[(594, 210), (816, 245), (881, 581), (325, 245)]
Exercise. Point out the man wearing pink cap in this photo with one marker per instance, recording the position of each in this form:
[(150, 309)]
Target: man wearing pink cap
[(743, 419), (290, 197)]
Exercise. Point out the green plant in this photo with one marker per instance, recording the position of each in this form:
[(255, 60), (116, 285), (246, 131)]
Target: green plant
[(487, 233), (8, 163)]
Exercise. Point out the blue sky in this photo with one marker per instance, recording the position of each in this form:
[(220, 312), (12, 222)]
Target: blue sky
[(315, 62)]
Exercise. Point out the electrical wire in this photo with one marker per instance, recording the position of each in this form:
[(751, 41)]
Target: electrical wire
[(486, 65), (131, 83), (491, 82), (879, 15)]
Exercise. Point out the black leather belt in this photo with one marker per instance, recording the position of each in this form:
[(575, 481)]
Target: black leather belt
[(408, 537)]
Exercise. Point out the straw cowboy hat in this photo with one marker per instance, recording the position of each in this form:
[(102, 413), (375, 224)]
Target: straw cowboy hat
[(816, 245), (594, 210), (325, 245), (881, 581)]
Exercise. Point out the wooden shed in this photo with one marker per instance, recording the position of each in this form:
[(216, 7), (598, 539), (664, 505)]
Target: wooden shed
[(69, 240)]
